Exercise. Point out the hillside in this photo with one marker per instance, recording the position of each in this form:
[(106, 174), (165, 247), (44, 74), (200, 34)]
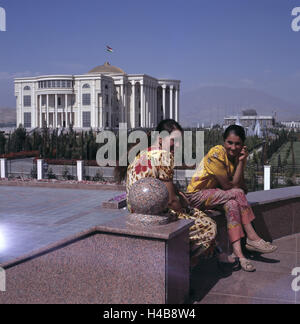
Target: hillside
[(211, 104)]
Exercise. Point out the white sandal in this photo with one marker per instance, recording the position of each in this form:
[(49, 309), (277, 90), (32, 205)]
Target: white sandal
[(260, 246), (246, 265)]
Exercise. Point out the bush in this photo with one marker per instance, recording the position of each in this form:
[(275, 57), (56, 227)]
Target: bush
[(98, 176), (51, 175)]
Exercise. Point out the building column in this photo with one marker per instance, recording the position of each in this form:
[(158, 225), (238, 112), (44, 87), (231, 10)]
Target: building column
[(66, 110), (133, 108), (56, 112), (164, 87), (126, 102), (47, 110), (150, 106), (155, 107), (41, 112), (146, 106), (94, 107), (177, 105), (22, 108), (100, 107), (142, 106), (171, 102), (110, 107)]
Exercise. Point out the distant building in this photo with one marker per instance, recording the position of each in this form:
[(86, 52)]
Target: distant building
[(292, 124), (250, 121), (103, 98)]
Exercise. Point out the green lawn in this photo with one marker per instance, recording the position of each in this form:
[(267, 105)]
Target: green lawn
[(282, 151)]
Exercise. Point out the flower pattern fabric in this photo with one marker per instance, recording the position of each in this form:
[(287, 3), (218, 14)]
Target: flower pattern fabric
[(159, 164)]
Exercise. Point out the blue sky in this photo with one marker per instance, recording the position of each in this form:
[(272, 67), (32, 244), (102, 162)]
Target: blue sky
[(238, 43)]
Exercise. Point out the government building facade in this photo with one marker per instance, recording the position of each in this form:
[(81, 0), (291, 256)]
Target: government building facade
[(103, 98)]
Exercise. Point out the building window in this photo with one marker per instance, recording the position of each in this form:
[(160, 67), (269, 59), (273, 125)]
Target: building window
[(106, 99), (59, 101), (86, 99), (86, 86), (27, 88), (27, 120), (27, 101), (86, 119)]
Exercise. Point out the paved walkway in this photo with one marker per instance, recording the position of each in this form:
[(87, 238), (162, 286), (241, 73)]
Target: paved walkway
[(270, 284), (31, 218)]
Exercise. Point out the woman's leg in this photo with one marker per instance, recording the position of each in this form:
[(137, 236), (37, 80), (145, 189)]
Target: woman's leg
[(237, 210)]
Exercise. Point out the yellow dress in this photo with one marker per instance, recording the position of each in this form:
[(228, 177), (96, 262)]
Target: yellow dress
[(216, 162)]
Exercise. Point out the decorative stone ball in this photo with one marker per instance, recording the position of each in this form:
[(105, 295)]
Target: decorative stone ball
[(148, 196)]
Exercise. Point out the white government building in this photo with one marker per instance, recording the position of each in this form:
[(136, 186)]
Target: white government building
[(103, 98)]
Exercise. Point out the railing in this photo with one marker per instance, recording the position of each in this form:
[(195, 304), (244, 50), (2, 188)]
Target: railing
[(254, 175)]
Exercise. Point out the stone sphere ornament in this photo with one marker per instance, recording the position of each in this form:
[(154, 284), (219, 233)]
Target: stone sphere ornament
[(148, 196)]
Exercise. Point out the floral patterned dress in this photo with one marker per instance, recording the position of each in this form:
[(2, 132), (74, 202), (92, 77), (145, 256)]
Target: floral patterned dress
[(159, 164), (204, 192)]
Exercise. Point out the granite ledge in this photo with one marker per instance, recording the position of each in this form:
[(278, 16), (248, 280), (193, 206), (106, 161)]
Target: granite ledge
[(115, 227), (81, 186), (259, 198)]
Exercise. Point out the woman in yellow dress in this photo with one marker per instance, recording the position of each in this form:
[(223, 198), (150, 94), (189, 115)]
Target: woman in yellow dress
[(219, 182)]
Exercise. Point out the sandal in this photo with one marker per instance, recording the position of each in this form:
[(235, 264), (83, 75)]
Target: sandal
[(246, 265), (260, 246), (229, 266)]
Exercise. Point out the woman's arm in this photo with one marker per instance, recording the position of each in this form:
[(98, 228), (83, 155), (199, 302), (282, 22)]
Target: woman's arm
[(238, 178), (174, 201)]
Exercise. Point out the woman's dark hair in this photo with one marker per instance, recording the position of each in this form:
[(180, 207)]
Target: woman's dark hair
[(236, 130), (168, 125)]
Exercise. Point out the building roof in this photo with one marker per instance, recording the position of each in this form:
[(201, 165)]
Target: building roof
[(106, 68), (249, 117)]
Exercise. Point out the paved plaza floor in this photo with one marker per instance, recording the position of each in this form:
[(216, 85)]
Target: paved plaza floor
[(270, 284), (32, 218)]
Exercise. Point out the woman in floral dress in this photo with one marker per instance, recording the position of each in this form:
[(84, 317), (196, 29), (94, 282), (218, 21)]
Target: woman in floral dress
[(158, 163)]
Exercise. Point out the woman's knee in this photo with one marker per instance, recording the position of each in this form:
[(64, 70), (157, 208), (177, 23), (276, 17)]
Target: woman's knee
[(237, 192)]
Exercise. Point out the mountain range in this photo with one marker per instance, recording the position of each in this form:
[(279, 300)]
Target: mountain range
[(7, 116), (211, 104)]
